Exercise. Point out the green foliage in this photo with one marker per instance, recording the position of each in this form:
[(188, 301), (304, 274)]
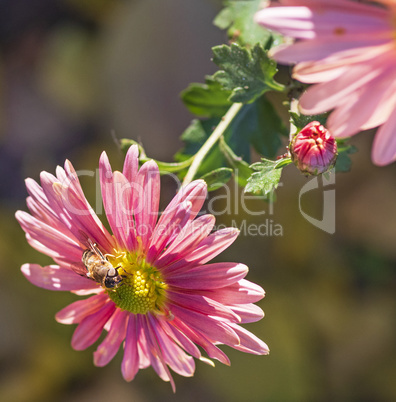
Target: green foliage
[(259, 124), (216, 178), (238, 18), (301, 120), (206, 100), (267, 176), (344, 162), (247, 73)]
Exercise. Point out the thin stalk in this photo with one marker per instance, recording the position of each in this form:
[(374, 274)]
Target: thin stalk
[(211, 141)]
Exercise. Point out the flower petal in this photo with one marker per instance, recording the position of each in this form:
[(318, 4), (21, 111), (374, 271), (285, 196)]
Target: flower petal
[(146, 209), (109, 347), (53, 277), (90, 328), (130, 362), (209, 276), (207, 249), (74, 313)]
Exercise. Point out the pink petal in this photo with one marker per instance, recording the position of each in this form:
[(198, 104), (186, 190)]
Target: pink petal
[(206, 250), (116, 194), (180, 338), (215, 330), (325, 96), (202, 305), (187, 240), (248, 312), (130, 362), (74, 313), (146, 209), (240, 292), (200, 339), (131, 163), (90, 328), (156, 357), (174, 356), (384, 146), (328, 21), (49, 237), (209, 276), (53, 277), (249, 342), (184, 207), (109, 347)]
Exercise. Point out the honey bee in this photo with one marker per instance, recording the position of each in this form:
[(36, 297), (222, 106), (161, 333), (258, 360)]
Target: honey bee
[(99, 268), (96, 266)]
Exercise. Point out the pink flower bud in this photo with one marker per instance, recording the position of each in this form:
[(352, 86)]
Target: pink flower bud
[(313, 150)]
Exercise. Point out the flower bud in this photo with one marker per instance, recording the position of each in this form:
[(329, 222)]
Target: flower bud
[(313, 150)]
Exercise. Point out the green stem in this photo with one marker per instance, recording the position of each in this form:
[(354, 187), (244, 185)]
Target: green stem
[(211, 141)]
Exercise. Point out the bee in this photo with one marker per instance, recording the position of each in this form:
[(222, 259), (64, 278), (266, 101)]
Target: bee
[(99, 268), (96, 266)]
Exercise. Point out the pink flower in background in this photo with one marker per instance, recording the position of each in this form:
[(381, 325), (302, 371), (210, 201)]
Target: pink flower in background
[(152, 291), (313, 150), (348, 49)]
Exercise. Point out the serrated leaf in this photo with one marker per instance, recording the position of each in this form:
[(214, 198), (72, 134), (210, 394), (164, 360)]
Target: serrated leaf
[(247, 73), (217, 178), (263, 182), (206, 100), (344, 162), (237, 17), (266, 178)]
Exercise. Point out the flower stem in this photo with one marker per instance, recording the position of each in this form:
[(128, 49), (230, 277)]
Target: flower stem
[(214, 137)]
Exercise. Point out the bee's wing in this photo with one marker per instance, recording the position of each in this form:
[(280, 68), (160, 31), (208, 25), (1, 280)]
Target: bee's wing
[(79, 268), (88, 243)]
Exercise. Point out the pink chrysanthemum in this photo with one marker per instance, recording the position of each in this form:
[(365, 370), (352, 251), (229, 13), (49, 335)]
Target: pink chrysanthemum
[(166, 301), (313, 150), (348, 49)]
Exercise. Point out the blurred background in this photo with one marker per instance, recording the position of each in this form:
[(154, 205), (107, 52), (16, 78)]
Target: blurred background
[(75, 75)]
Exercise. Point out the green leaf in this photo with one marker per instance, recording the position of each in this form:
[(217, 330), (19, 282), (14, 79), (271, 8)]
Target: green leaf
[(206, 100), (266, 178), (344, 162), (237, 17), (260, 125), (301, 120), (247, 73), (217, 178)]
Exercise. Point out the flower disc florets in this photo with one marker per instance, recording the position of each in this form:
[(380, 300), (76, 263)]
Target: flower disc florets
[(142, 289), (313, 150)]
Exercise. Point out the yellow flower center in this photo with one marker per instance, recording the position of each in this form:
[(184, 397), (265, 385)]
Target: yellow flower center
[(142, 288)]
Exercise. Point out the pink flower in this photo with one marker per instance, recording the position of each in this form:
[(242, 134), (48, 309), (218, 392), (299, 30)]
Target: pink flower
[(157, 296), (313, 150), (348, 48)]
